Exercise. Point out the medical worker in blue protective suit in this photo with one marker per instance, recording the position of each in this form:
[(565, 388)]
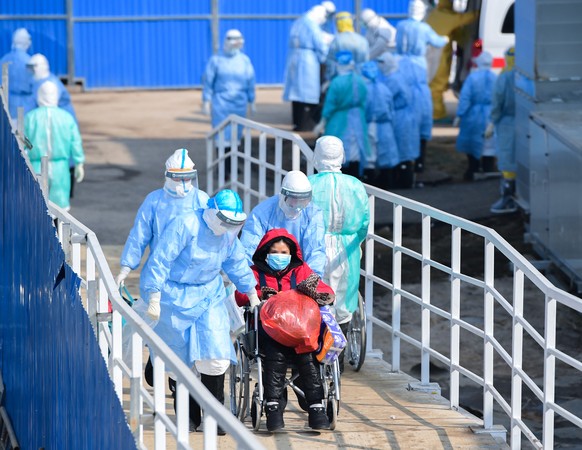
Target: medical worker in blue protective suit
[(229, 82), (293, 210), (380, 118), (344, 114), (473, 112), (413, 35), (347, 40), (39, 66), (19, 78), (53, 132), (307, 51), (186, 288), (179, 195), (503, 124), (406, 129), (344, 202)]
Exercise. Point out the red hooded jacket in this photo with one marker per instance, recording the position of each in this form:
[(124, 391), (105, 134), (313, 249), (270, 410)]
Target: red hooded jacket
[(296, 271)]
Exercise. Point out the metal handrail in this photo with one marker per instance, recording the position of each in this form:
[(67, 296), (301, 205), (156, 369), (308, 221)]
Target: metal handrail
[(98, 286), (389, 208)]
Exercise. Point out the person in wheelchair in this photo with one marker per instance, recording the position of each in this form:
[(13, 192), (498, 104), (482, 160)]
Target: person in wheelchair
[(278, 266)]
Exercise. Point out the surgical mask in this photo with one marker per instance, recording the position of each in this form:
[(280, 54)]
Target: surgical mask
[(177, 188), (216, 225), (278, 261)]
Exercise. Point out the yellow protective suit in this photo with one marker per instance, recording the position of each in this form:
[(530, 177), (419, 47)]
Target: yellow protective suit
[(446, 22)]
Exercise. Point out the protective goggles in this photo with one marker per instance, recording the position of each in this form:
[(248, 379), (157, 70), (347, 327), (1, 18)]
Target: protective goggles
[(296, 200), (181, 174), (230, 221)]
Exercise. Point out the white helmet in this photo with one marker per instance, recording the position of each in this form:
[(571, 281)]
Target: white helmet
[(295, 194), (417, 10), (39, 65), (318, 14), (367, 15), (233, 40), (21, 39), (47, 94), (329, 8), (328, 155)]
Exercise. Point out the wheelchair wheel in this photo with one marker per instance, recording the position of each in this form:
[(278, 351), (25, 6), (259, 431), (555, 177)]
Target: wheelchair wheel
[(256, 411), (357, 336), (331, 410), (239, 384)]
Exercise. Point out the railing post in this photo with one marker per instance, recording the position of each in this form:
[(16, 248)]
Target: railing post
[(233, 155), (210, 173), (455, 315), (369, 271), (517, 358), (549, 372), (262, 168), (247, 182), (397, 285), (425, 297), (488, 328)]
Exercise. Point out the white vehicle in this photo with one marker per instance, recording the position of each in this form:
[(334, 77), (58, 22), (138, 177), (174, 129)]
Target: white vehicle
[(494, 32)]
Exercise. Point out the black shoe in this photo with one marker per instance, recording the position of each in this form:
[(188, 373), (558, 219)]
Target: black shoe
[(318, 418), (274, 417)]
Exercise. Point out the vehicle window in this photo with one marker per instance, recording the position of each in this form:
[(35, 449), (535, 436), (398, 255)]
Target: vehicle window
[(508, 26)]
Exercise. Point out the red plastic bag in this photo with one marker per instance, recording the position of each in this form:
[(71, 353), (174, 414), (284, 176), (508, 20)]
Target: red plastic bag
[(293, 320)]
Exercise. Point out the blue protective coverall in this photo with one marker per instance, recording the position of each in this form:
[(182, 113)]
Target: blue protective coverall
[(186, 268), (474, 110), (19, 81), (308, 229), (415, 77), (380, 111), (347, 41), (307, 51), (154, 214), (344, 111), (64, 144), (344, 202), (229, 84), (406, 129), (503, 117), (64, 96), (412, 38)]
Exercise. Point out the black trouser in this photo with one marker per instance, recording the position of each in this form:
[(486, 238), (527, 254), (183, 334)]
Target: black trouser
[(72, 173), (275, 359), (303, 116), (214, 383)]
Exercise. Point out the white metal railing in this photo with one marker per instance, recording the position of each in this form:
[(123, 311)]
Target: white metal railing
[(506, 347), (143, 407)]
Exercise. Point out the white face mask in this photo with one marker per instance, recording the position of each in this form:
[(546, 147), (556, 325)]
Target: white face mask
[(177, 188)]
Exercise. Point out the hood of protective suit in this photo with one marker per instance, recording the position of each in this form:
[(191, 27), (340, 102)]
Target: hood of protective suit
[(416, 10), (328, 155), (329, 8), (48, 94), (370, 70), (295, 194), (40, 66), (275, 235), (344, 22), (180, 163), (345, 62), (484, 60), (21, 39), (387, 63), (509, 59), (318, 14), (233, 42)]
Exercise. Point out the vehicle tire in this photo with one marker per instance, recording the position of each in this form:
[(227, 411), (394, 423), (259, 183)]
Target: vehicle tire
[(357, 336)]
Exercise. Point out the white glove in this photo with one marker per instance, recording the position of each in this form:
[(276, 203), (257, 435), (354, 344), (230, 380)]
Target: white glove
[(319, 128), (447, 38), (325, 87), (123, 273), (456, 121), (79, 173), (489, 130), (253, 299), (252, 109), (154, 306), (206, 108)]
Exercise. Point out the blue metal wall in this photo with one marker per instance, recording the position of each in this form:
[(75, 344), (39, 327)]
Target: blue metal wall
[(160, 44), (58, 391)]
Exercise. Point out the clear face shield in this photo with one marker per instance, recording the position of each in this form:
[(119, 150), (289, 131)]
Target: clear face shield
[(292, 203), (233, 44), (181, 181), (221, 222)]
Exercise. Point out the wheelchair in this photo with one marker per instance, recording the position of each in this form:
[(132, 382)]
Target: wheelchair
[(356, 336), (244, 403)]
